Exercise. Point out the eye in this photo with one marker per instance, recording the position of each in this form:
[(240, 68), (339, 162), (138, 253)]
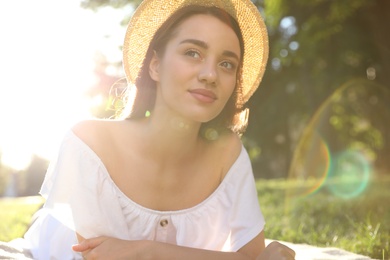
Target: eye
[(192, 53), (228, 65)]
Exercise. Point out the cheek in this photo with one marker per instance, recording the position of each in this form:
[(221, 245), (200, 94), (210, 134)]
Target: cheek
[(172, 82), (230, 87), (172, 71)]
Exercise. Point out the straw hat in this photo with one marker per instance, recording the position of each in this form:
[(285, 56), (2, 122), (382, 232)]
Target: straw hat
[(151, 14)]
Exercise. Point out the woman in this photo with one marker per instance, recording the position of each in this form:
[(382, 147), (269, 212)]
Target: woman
[(170, 179)]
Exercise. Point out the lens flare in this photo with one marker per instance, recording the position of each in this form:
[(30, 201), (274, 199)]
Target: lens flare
[(340, 144), (310, 165), (349, 174)]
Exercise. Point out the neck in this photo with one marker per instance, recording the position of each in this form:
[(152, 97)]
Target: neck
[(171, 138)]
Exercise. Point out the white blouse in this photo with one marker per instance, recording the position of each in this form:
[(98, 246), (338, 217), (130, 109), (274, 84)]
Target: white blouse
[(80, 195)]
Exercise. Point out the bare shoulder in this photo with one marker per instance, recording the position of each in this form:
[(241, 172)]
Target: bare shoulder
[(96, 132), (228, 148), (230, 142), (89, 129)]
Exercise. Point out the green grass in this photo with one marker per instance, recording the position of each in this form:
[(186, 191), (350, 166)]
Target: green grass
[(360, 224), (15, 216)]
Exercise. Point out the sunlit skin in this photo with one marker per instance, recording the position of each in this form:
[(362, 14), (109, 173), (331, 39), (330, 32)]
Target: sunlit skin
[(161, 162)]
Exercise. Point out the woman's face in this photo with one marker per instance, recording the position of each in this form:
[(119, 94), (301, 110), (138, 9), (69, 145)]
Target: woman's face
[(197, 73)]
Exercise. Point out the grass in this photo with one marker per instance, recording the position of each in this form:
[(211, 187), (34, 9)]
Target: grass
[(358, 224), (15, 216)]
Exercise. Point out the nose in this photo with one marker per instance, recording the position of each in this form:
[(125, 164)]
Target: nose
[(208, 72)]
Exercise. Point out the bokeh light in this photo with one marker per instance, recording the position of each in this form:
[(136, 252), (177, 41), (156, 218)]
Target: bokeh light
[(339, 148), (349, 174)]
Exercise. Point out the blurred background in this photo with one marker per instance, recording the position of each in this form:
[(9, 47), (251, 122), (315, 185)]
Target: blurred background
[(321, 117), (325, 96)]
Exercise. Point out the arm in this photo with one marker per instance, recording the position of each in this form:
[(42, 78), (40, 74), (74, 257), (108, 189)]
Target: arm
[(111, 248)]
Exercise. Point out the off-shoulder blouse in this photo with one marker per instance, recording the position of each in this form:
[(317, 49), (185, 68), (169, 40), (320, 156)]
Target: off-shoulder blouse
[(81, 196)]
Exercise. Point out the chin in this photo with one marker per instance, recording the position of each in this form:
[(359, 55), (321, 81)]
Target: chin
[(206, 119), (201, 115)]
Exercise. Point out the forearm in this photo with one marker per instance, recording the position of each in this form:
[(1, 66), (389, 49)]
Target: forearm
[(113, 248), (168, 251)]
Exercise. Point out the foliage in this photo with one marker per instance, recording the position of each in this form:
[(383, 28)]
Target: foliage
[(25, 182), (95, 4), (323, 145), (315, 48), (4, 177)]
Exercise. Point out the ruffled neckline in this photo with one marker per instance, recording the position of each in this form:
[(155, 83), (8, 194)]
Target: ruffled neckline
[(198, 207)]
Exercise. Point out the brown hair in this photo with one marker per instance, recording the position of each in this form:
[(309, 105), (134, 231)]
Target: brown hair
[(143, 99)]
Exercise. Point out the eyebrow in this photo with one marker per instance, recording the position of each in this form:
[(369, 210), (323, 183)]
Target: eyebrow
[(204, 45)]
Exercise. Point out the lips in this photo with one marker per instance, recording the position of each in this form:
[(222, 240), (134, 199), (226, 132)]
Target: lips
[(203, 95)]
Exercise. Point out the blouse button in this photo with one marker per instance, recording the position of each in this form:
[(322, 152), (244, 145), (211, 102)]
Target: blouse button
[(163, 222)]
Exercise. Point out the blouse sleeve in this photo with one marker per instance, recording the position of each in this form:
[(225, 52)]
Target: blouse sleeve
[(79, 193), (247, 221)]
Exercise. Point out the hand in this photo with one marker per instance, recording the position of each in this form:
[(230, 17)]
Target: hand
[(277, 251), (111, 248)]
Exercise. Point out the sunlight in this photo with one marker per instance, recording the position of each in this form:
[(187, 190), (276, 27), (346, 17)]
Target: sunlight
[(47, 60)]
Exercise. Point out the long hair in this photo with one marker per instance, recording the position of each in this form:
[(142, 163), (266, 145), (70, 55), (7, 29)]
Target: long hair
[(142, 99)]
